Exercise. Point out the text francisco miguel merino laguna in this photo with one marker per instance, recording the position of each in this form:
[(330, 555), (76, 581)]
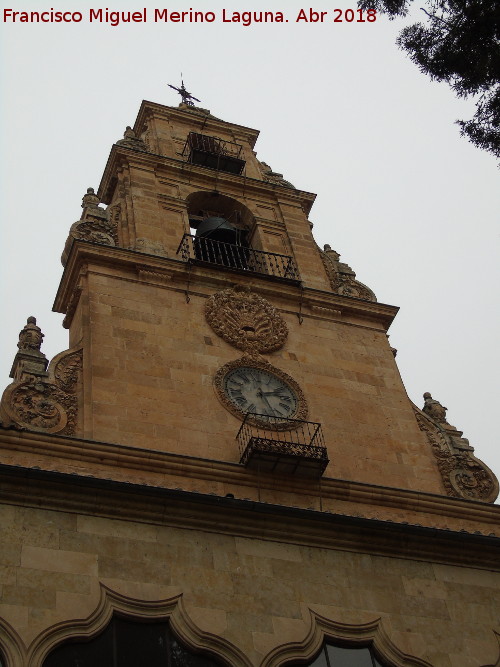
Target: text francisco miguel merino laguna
[(115, 18)]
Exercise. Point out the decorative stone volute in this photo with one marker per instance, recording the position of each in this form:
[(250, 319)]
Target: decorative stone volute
[(38, 400), (342, 277), (29, 360), (464, 476)]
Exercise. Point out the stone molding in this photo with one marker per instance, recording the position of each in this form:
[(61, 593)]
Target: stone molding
[(325, 310), (72, 306), (258, 362), (463, 475), (150, 247), (171, 609), (374, 315), (246, 321), (157, 277), (245, 518), (101, 460), (13, 648), (47, 404)]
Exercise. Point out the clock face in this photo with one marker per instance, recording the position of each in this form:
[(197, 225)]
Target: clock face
[(252, 389)]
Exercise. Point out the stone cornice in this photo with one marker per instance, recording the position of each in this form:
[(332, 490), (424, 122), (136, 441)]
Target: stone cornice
[(190, 117), (318, 304), (93, 459), (244, 518), (225, 180)]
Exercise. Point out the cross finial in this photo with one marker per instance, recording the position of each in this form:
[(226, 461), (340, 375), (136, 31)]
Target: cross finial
[(187, 98)]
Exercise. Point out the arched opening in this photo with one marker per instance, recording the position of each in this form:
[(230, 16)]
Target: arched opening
[(221, 234), (129, 642), (204, 203), (220, 229)]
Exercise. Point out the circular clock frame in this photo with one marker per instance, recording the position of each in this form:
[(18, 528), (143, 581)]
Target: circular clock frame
[(288, 422)]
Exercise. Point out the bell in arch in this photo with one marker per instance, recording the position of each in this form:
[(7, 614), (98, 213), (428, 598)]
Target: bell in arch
[(217, 241), (217, 229)]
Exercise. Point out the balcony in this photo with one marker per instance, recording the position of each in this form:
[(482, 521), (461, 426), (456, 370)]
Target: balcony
[(299, 450), (214, 153), (202, 250)]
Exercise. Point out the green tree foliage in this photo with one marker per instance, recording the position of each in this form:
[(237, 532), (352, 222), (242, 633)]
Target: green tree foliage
[(458, 42)]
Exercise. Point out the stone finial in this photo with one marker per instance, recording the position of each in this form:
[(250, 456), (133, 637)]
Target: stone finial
[(331, 252), (95, 225), (434, 409), (90, 199), (131, 140), (29, 361), (31, 336)]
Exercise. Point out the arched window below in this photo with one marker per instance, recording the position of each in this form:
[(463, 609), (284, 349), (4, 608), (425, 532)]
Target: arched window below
[(341, 656), (129, 643)]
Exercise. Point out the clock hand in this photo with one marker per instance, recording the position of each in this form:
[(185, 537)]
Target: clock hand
[(261, 394)]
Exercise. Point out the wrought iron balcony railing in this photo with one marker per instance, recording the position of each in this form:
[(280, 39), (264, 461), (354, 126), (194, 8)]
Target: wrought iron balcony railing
[(206, 250), (300, 449), (214, 153)]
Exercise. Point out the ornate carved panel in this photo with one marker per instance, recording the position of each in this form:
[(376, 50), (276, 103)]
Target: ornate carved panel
[(464, 476), (48, 404), (246, 321)]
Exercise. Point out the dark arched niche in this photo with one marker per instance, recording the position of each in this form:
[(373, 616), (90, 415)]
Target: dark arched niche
[(334, 655), (204, 204), (127, 642)]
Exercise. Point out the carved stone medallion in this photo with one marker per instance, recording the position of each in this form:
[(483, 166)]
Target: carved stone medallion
[(253, 385), (246, 321)]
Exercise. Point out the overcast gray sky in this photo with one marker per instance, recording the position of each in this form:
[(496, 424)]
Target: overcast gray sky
[(409, 204)]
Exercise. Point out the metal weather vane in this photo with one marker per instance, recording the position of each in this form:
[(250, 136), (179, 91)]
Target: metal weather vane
[(187, 98)]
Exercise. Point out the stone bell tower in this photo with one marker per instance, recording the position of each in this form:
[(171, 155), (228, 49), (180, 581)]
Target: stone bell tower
[(230, 411)]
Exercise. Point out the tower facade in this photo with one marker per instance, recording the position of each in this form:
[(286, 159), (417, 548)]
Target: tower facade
[(227, 447)]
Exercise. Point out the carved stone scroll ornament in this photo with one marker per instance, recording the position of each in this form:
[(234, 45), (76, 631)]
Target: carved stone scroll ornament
[(342, 277), (464, 476), (246, 321), (47, 404)]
